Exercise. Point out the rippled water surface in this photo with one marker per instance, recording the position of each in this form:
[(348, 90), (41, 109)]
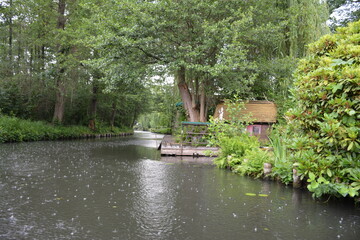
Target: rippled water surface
[(121, 188)]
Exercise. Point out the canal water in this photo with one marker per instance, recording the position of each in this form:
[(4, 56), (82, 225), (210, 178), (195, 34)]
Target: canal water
[(121, 188)]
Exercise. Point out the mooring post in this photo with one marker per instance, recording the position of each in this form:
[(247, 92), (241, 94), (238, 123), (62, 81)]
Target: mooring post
[(267, 169)]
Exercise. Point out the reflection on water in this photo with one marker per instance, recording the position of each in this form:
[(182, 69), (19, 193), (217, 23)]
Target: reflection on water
[(121, 188)]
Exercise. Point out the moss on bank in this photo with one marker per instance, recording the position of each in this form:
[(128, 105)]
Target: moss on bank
[(13, 129)]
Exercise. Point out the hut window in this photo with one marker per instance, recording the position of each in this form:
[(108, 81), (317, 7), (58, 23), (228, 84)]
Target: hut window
[(256, 130)]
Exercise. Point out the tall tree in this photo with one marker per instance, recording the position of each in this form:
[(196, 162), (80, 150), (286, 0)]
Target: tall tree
[(283, 29), (188, 44), (62, 50), (214, 47)]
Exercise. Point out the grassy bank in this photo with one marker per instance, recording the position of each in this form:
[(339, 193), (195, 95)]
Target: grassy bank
[(13, 129)]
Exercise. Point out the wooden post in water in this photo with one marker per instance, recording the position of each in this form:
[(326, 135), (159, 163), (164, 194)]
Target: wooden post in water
[(267, 169), (296, 179)]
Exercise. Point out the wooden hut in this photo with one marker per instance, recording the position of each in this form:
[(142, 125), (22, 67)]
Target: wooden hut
[(262, 113)]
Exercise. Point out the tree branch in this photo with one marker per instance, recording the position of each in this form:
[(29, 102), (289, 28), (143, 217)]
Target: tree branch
[(149, 54)]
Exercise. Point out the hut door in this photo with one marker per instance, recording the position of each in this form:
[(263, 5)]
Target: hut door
[(256, 131)]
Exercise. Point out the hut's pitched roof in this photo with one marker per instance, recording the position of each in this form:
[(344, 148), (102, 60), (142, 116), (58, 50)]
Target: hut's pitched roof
[(260, 111)]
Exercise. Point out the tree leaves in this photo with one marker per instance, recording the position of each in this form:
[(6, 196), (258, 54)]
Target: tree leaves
[(327, 90)]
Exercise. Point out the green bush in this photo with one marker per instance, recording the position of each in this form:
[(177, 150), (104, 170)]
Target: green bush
[(239, 151), (242, 154), (233, 149), (326, 120), (13, 129), (252, 163)]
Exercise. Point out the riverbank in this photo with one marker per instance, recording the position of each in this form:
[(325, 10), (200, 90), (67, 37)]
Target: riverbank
[(243, 155), (13, 129)]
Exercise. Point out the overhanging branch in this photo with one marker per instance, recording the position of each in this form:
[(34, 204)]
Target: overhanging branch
[(150, 55)]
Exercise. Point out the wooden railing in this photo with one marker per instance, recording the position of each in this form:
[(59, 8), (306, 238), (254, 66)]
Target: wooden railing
[(194, 133)]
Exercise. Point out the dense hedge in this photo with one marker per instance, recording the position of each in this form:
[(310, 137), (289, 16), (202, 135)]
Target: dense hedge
[(13, 129), (325, 123)]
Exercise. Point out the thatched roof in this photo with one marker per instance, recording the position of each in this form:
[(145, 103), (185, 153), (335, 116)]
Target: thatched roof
[(260, 111)]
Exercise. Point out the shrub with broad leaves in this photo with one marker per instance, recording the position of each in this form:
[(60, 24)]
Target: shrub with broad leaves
[(326, 119)]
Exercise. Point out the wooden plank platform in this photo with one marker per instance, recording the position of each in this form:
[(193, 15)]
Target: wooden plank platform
[(188, 160), (170, 147)]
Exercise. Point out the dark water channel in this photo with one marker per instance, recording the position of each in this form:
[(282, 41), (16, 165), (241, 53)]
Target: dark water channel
[(121, 188)]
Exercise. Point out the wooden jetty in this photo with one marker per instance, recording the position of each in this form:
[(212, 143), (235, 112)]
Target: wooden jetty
[(192, 141), (170, 147), (190, 160)]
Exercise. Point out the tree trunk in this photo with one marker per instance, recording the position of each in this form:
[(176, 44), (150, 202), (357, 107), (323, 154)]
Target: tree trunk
[(60, 103), (194, 92), (61, 14), (113, 114), (11, 32), (18, 67), (60, 84), (193, 114), (203, 107), (93, 106), (134, 119)]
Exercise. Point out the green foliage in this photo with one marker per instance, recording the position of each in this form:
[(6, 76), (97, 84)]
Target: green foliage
[(13, 129), (325, 123), (235, 126), (161, 108), (252, 163), (243, 155), (193, 134), (233, 149), (283, 165), (38, 59), (161, 130), (238, 144), (239, 151), (119, 46), (153, 120)]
